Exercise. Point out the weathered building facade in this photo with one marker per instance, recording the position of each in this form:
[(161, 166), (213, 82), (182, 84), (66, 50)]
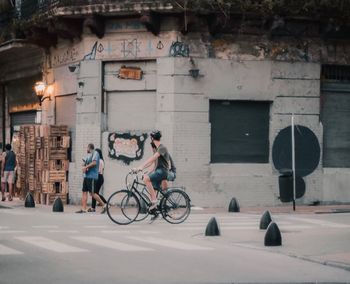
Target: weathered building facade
[(220, 93)]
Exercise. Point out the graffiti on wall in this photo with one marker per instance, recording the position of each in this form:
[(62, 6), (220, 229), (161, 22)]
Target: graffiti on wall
[(130, 48), (112, 48), (126, 147), (66, 56), (179, 48)]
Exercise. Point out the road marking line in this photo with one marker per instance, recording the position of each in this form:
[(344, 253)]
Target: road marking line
[(111, 244), (45, 227), (12, 232), (115, 232), (50, 244), (169, 243), (64, 231), (3, 227), (320, 222), (97, 227), (6, 250)]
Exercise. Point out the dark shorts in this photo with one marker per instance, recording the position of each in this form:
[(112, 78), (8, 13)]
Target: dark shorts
[(89, 185), (171, 176), (157, 176)]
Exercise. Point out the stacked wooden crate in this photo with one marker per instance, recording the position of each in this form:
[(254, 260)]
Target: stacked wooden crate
[(52, 160), (26, 159), (44, 162)]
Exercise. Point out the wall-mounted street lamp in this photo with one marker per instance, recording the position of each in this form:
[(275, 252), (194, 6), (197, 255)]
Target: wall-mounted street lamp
[(40, 89), (194, 70)]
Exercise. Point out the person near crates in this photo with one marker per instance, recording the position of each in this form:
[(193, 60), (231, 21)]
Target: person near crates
[(100, 182), (90, 170), (8, 165)]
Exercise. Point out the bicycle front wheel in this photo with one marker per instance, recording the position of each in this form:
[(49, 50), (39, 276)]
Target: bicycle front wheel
[(123, 207), (175, 206)]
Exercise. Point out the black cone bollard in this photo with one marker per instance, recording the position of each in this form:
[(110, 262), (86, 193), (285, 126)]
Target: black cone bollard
[(234, 206), (273, 236), (29, 201), (265, 220), (212, 228), (57, 205)]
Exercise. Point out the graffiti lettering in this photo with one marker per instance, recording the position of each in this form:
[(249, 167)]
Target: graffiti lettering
[(92, 54), (178, 48), (130, 48), (100, 48), (126, 147), (69, 55), (160, 45)]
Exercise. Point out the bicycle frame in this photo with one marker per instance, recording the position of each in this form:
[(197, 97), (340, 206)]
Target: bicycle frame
[(140, 195)]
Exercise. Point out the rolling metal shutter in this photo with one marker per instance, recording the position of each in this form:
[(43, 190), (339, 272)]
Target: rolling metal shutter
[(21, 118), (335, 116)]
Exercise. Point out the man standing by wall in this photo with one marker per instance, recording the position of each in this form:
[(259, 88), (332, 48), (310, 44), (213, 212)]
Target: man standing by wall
[(8, 164), (90, 170)]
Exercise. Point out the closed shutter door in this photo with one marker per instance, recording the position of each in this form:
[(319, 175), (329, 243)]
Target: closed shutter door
[(129, 111), (66, 115), (335, 116), (21, 118)]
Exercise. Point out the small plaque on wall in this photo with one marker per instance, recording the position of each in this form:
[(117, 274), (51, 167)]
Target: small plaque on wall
[(133, 73)]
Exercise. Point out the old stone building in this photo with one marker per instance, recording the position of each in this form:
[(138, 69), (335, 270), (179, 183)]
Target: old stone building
[(222, 84)]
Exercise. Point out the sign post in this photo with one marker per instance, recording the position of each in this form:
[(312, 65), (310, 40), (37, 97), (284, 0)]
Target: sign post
[(293, 162)]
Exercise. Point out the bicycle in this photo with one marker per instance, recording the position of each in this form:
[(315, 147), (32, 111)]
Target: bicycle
[(124, 206)]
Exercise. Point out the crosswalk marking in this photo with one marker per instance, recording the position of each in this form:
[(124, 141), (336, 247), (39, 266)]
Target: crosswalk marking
[(96, 226), (319, 222), (169, 243), (7, 251), (102, 242), (11, 231), (49, 244), (45, 227), (115, 232), (64, 231)]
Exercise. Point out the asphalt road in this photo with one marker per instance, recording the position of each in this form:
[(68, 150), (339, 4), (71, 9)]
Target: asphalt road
[(38, 246)]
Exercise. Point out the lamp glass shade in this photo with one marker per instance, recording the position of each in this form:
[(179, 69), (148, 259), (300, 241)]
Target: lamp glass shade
[(40, 88)]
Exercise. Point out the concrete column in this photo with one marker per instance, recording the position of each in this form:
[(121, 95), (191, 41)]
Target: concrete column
[(88, 120)]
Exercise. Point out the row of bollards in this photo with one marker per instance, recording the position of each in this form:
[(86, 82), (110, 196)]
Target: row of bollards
[(272, 236), (56, 207)]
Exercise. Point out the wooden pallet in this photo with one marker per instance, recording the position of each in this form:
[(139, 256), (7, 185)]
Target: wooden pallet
[(54, 187), (58, 154), (59, 165), (49, 198)]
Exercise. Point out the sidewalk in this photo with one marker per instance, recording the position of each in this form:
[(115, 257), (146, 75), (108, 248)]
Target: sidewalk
[(280, 209)]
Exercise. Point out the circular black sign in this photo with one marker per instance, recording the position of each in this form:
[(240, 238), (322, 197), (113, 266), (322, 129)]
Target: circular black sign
[(307, 150)]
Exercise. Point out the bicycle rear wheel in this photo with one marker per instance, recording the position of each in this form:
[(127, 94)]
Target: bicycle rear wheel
[(175, 206), (123, 207)]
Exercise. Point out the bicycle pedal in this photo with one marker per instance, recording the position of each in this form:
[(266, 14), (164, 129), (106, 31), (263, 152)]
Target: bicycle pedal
[(154, 218), (152, 211)]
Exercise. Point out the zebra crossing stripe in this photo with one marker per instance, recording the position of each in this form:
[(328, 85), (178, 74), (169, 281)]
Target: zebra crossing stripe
[(169, 243), (102, 242), (11, 232), (319, 222), (49, 244), (7, 251)]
